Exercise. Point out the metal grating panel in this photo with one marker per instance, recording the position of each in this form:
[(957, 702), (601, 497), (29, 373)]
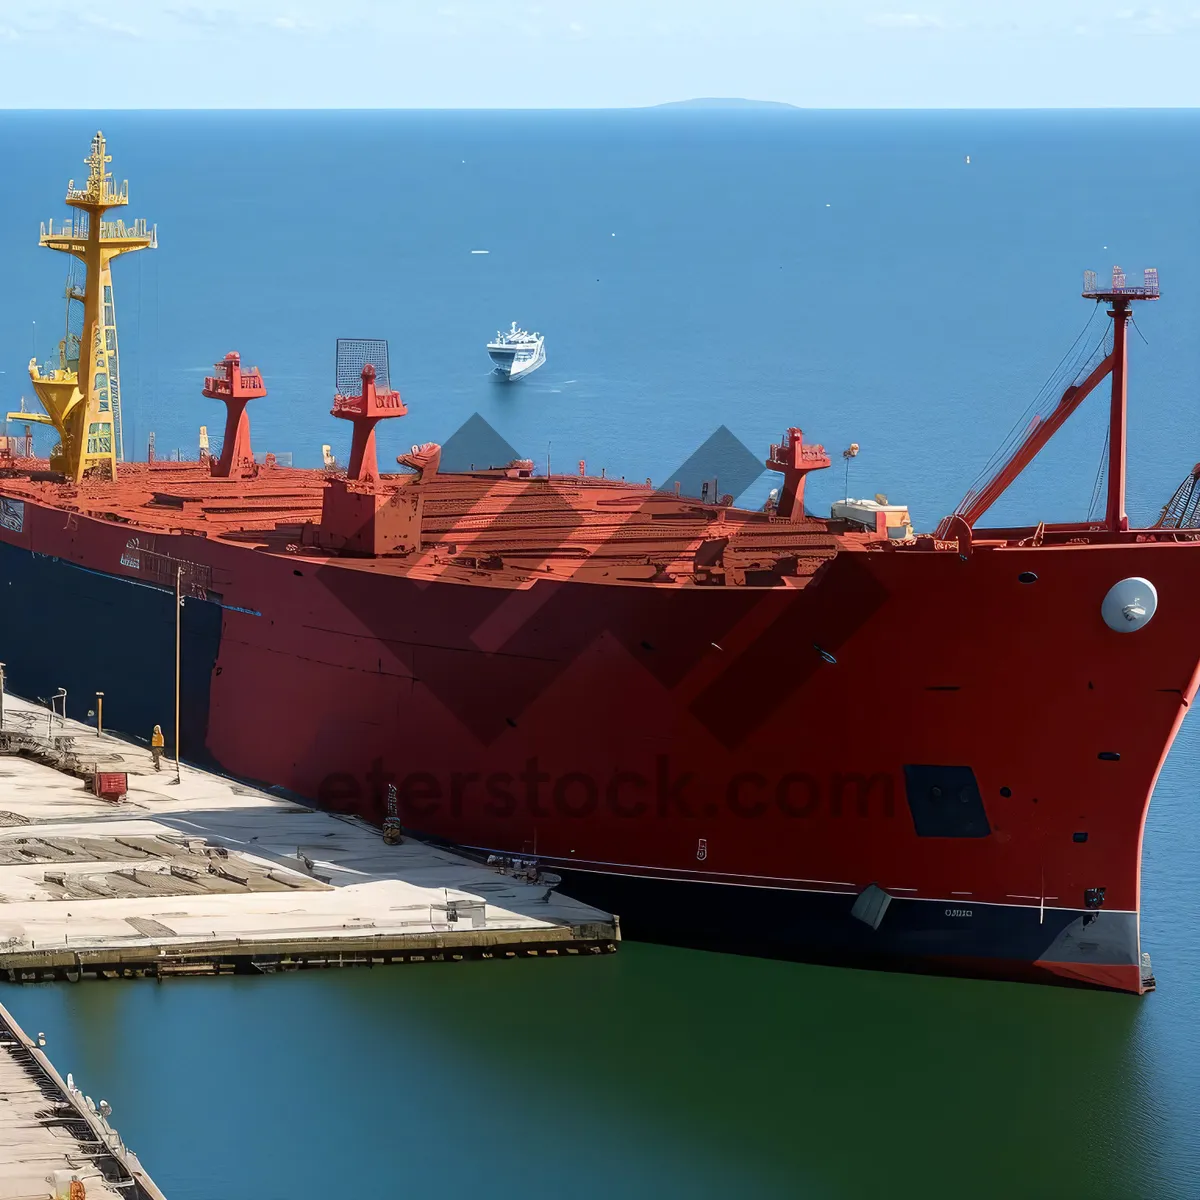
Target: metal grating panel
[(352, 355)]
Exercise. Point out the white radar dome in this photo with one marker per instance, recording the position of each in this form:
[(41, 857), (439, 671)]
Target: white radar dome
[(1129, 605)]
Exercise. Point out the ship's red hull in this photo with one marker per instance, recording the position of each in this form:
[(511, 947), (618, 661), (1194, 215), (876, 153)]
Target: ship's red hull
[(726, 766)]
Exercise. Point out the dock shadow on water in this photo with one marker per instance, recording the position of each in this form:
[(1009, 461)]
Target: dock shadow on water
[(657, 1072)]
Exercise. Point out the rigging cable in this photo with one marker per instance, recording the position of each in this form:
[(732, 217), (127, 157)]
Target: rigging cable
[(1015, 434), (1054, 374), (1092, 512), (1023, 420)]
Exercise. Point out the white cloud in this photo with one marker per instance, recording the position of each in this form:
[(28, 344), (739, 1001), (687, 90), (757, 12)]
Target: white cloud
[(8, 34), (205, 18), (905, 21), (291, 24), (107, 25), (212, 17), (1153, 20)]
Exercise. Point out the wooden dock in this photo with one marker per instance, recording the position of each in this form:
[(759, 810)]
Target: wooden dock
[(56, 1142), (210, 876)]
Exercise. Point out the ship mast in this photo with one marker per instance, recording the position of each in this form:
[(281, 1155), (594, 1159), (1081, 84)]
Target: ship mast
[(1120, 297), (84, 405)]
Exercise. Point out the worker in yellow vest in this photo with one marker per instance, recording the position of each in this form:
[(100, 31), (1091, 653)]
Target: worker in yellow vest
[(156, 747)]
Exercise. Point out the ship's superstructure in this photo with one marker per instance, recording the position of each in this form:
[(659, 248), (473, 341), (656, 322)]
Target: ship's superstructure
[(516, 352), (823, 738)]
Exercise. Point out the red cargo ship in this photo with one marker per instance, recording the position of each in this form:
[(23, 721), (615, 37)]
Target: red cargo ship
[(758, 730)]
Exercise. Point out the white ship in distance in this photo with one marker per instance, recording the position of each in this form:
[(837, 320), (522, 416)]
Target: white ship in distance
[(516, 353)]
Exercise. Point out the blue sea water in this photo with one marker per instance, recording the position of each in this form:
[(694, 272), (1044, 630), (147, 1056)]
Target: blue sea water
[(850, 273), (846, 272)]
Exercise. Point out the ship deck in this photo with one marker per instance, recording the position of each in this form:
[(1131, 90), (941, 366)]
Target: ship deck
[(496, 524)]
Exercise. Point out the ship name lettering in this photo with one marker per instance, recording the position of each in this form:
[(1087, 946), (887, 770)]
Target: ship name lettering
[(959, 912)]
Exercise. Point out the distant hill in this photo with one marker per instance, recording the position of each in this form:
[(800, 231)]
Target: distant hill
[(723, 102)]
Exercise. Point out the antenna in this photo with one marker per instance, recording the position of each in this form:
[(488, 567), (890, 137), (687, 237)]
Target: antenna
[(1121, 290), (850, 452)]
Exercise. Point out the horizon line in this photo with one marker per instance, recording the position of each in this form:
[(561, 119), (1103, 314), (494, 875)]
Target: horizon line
[(775, 108)]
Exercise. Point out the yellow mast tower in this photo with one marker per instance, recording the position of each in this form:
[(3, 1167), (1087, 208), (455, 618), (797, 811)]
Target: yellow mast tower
[(84, 405)]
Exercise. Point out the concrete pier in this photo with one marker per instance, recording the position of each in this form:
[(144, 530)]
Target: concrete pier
[(54, 1141), (210, 876)]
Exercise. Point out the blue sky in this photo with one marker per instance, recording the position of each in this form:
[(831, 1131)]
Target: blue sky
[(597, 53)]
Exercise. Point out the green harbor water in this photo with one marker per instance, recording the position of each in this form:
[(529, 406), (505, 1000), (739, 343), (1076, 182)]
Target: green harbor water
[(659, 1072), (653, 1072)]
